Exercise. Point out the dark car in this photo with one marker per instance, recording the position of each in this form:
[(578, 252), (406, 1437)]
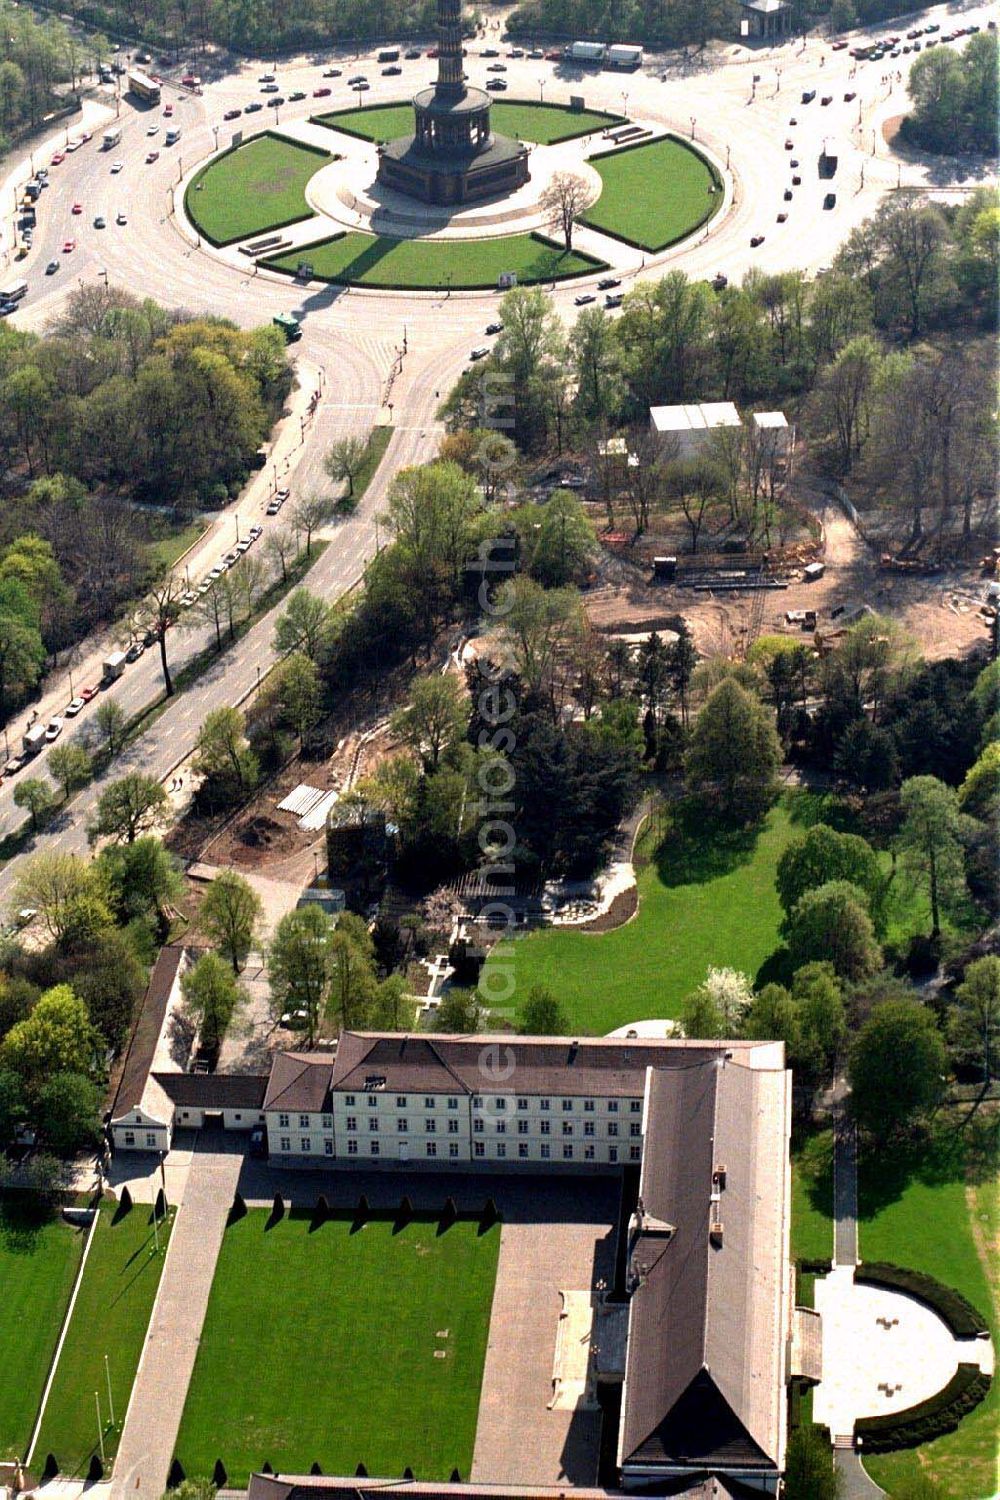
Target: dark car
[(808, 96), (232, 114), (607, 282), (392, 71), (135, 651), (411, 53), (253, 107), (830, 200), (497, 86)]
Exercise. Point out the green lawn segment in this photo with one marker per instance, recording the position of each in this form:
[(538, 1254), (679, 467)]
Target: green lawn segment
[(319, 1346), (653, 194), (812, 1197), (542, 124), (39, 1257), (427, 265), (110, 1317), (256, 187), (705, 897)]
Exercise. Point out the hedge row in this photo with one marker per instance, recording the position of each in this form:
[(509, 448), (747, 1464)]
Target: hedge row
[(816, 1265), (964, 1320), (930, 1419)]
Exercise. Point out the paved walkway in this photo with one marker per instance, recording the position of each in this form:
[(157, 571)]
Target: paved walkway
[(855, 1481), (845, 1192), (154, 1413)]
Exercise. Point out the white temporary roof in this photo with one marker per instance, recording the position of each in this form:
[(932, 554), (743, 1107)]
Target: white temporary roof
[(699, 417), (776, 419)]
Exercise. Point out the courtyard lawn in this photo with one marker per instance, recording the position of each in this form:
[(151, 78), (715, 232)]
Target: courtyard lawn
[(38, 1262), (812, 1197), (654, 194), (110, 1316), (259, 186), (378, 261), (543, 124), (320, 1346), (929, 1215), (705, 897)]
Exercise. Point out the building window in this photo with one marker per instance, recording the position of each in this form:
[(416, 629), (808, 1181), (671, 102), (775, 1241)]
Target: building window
[(453, 1127), (185, 1114), (429, 1101), (613, 1127), (349, 1100), (567, 1105), (372, 1126), (588, 1127), (546, 1152), (588, 1106), (545, 1105), (612, 1153), (635, 1152), (150, 1138), (502, 1149), (305, 1144), (452, 1102), (477, 1102), (432, 1148), (612, 1106), (567, 1153), (130, 1137), (522, 1149), (352, 1148), (352, 1122), (544, 1126), (285, 1144), (479, 1148), (374, 1148), (303, 1122), (501, 1127), (588, 1153), (522, 1127), (500, 1101), (283, 1122), (402, 1126), (478, 1126), (237, 1117), (522, 1103), (453, 1148), (567, 1127), (635, 1128), (372, 1102), (400, 1101), (328, 1147), (327, 1122), (430, 1126), (635, 1106)]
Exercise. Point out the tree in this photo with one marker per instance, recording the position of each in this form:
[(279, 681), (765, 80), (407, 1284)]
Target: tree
[(52, 883), (128, 808), (435, 717), (809, 1470), (562, 203), (293, 693), (460, 1012), (279, 545), (823, 854), (345, 460), (537, 631), (111, 720), (230, 915), (304, 626), (68, 1112), (108, 977), (896, 1069), (541, 1014), (717, 1007), (142, 878), (845, 397), (974, 1019), (929, 841), (157, 613), (56, 1038), (352, 971), (223, 755), (308, 514), (299, 965), (21, 649), (71, 766), (37, 796), (564, 544), (734, 753), (979, 794), (212, 994), (12, 1105), (830, 923)]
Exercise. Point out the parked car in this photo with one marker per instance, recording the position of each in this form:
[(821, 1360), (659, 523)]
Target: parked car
[(583, 298), (100, 222), (253, 107), (494, 327), (496, 85), (479, 352), (830, 200), (269, 88), (152, 156), (53, 730), (323, 93), (331, 72), (296, 96), (134, 651), (232, 114), (152, 130), (392, 71), (497, 67), (255, 532), (411, 53), (275, 103), (266, 78), (73, 707), (86, 693), (116, 167), (607, 282), (77, 208)]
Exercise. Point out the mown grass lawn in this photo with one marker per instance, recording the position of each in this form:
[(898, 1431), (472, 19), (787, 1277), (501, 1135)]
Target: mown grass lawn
[(259, 186), (653, 194), (705, 897), (319, 1346), (812, 1197), (927, 1212), (110, 1317), (539, 123), (377, 260), (39, 1257)]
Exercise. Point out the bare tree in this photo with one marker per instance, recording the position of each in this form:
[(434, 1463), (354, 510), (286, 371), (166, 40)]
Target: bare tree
[(562, 203), (280, 548), (157, 613)]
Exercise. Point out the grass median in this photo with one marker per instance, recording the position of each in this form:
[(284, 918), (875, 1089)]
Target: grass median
[(356, 259), (653, 194), (252, 188)]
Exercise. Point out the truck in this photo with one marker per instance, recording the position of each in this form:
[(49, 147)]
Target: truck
[(388, 54), (289, 325), (623, 56), (586, 52), (33, 739), (828, 158), (112, 668), (112, 137)]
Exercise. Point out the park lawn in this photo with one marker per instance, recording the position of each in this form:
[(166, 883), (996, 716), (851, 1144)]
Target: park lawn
[(259, 186), (164, 551), (379, 261), (543, 124), (319, 1346), (38, 1263), (705, 898), (930, 1221), (110, 1316), (812, 1197), (653, 195)]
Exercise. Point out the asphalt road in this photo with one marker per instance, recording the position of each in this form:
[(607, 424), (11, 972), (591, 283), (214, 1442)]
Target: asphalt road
[(351, 338)]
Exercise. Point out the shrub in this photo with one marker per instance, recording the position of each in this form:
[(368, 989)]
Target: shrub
[(929, 1419), (962, 1318), (818, 1266)]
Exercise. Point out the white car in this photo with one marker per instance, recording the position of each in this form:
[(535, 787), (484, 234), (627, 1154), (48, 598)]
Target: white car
[(480, 352), (73, 707), (153, 130), (53, 730), (116, 167)]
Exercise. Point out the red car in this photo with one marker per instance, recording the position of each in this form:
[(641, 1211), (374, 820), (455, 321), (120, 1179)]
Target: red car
[(321, 93), (77, 208), (838, 46), (432, 52), (152, 156), (554, 56), (86, 693), (69, 246), (190, 81), (168, 110), (58, 159)]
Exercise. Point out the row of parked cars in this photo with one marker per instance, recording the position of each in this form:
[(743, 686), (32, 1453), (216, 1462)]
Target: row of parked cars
[(228, 560)]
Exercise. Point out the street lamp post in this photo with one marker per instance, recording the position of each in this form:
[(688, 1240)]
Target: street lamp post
[(236, 518), (215, 132), (541, 89), (693, 124)]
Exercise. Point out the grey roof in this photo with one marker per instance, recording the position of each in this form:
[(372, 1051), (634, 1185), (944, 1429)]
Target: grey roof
[(704, 1378), (314, 1486), (214, 1090), (146, 1031), (300, 1080), (603, 1066)]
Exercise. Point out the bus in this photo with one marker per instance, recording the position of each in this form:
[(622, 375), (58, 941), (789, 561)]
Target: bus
[(144, 87), (13, 293), (289, 325)]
